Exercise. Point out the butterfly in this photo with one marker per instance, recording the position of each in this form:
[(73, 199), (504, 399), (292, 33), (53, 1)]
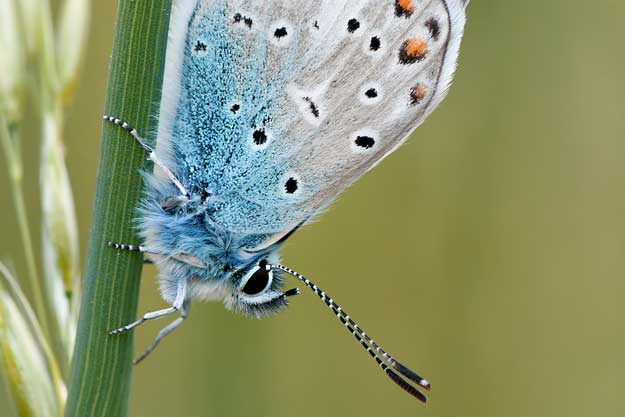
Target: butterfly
[(269, 110)]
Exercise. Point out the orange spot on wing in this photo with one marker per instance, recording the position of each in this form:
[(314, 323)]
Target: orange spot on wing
[(406, 5), (416, 47), (412, 50), (404, 8), (417, 94)]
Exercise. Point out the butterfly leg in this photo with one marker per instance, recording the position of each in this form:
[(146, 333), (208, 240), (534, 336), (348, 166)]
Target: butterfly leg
[(179, 304), (184, 313), (133, 248), (147, 316), (151, 153), (129, 248)]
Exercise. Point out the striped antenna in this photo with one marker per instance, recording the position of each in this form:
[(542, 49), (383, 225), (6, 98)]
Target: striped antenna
[(376, 352)]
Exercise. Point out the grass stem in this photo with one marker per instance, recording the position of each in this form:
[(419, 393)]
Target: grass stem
[(101, 367)]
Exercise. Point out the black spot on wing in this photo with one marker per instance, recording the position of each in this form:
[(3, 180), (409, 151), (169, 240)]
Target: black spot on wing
[(313, 107), (280, 32), (260, 137), (371, 93), (365, 142), (375, 43), (353, 25), (200, 47), (434, 27), (291, 186), (239, 18)]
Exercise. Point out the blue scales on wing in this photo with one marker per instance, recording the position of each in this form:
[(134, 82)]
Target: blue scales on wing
[(272, 108)]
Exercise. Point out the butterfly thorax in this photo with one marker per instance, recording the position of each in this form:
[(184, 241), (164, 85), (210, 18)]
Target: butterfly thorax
[(187, 244)]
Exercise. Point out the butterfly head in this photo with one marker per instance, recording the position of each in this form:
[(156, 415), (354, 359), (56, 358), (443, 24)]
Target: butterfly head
[(257, 290)]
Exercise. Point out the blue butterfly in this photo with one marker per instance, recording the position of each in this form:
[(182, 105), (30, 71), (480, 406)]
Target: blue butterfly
[(270, 109)]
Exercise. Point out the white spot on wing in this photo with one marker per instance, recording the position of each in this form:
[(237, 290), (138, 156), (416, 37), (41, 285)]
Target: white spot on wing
[(305, 98)]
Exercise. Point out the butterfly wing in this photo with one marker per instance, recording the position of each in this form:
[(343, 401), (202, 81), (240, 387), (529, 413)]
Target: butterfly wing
[(275, 107)]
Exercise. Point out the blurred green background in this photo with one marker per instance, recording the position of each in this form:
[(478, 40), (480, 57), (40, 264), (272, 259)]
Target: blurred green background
[(488, 253)]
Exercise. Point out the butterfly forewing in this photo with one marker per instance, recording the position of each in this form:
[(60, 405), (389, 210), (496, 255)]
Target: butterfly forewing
[(283, 104)]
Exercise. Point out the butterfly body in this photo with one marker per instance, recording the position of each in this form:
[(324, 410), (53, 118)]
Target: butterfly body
[(187, 245), (270, 109)]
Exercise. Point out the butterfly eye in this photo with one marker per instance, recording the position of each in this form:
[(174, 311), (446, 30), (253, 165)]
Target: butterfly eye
[(259, 280)]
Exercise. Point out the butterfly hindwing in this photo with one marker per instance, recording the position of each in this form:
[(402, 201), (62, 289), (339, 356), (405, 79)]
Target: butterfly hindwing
[(274, 107)]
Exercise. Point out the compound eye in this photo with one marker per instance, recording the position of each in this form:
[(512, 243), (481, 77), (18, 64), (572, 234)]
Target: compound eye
[(259, 280)]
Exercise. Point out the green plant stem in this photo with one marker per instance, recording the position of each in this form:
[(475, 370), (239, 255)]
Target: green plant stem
[(101, 368), (14, 164)]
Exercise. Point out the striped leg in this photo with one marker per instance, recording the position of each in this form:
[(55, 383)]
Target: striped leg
[(151, 153), (133, 248), (129, 248)]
